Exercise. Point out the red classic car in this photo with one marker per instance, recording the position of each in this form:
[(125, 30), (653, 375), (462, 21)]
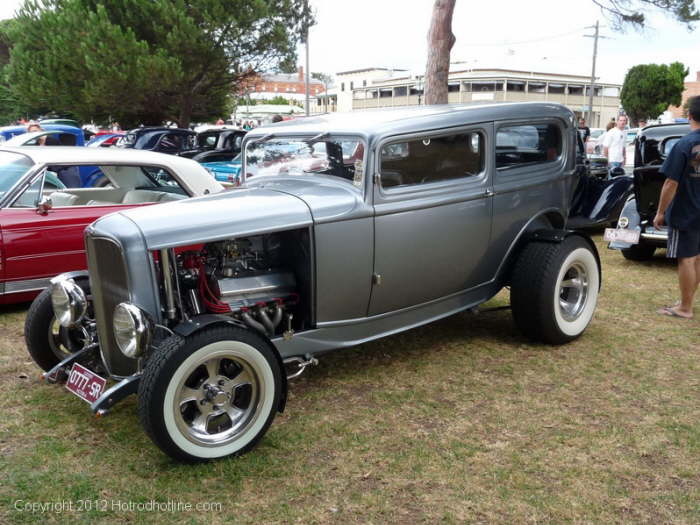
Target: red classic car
[(41, 224)]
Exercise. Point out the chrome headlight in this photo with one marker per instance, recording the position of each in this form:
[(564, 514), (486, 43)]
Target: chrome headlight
[(132, 329), (68, 301)]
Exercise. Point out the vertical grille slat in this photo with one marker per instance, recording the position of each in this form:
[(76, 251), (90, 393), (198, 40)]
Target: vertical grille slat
[(109, 283)]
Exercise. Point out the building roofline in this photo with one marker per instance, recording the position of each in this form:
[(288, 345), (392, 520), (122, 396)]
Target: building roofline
[(369, 69)]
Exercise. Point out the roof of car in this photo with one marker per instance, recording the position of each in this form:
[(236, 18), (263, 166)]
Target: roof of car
[(82, 155), (148, 129), (369, 123), (660, 131)]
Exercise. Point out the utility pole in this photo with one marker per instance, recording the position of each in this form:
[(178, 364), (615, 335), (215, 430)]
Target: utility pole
[(595, 38), (306, 71)]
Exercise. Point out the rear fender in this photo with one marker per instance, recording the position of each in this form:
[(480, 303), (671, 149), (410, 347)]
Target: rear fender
[(629, 215)]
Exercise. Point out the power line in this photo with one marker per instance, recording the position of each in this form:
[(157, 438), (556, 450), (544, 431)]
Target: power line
[(540, 39)]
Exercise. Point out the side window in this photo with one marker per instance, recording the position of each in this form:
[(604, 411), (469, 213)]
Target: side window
[(30, 196), (527, 144), (432, 159)]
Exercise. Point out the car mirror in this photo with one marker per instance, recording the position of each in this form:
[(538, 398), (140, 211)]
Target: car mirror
[(44, 205)]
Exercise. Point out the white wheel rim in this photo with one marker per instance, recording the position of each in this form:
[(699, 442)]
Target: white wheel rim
[(578, 281), (222, 425)]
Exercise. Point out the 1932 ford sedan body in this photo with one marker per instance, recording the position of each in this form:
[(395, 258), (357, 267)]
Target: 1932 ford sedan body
[(350, 227)]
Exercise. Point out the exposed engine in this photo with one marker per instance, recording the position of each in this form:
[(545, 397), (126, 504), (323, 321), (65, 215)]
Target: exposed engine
[(245, 278)]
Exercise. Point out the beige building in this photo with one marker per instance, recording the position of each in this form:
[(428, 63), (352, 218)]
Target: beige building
[(496, 85), (340, 96)]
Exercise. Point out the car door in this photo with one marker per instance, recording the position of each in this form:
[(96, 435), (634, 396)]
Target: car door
[(432, 204)]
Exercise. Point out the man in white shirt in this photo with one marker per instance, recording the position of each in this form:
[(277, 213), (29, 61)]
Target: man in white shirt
[(614, 142)]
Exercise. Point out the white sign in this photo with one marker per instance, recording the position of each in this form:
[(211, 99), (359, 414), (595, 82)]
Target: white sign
[(482, 96)]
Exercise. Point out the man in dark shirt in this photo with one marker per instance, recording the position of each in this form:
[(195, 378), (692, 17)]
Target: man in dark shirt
[(679, 208), (584, 130)]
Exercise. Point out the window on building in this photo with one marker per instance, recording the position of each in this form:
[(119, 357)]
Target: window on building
[(598, 91), (351, 85), (385, 93), (400, 91), (527, 144), (487, 86), (466, 86), (364, 83), (575, 89), (453, 87), (414, 91), (536, 87), (515, 85), (432, 159), (557, 89), (342, 86)]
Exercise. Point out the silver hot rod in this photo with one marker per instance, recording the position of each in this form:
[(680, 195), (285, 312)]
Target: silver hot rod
[(347, 228)]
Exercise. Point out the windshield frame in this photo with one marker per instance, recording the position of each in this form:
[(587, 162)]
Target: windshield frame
[(293, 137), (22, 181)]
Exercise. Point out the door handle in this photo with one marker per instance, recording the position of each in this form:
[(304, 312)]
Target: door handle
[(488, 192)]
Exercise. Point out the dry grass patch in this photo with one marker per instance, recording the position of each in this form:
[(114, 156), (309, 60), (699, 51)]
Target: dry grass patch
[(462, 420)]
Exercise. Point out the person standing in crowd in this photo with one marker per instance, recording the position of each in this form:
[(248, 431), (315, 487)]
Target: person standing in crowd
[(614, 142), (584, 130), (220, 122), (679, 209)]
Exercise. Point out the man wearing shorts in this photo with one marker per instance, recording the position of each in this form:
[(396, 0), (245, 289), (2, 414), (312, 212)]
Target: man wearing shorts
[(679, 208)]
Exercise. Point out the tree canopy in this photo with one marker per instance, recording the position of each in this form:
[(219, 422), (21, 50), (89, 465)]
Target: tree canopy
[(624, 13), (649, 89), (147, 62)]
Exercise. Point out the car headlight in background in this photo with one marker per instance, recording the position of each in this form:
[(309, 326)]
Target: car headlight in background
[(132, 329), (68, 301)]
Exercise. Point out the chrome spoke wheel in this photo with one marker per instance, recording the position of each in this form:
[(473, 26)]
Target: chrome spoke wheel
[(66, 341), (217, 399), (573, 291)]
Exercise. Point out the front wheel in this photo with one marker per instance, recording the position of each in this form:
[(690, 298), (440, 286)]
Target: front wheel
[(48, 342), (210, 395), (554, 289)]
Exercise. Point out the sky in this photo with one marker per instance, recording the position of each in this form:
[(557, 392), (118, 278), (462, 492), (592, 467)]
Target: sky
[(538, 35)]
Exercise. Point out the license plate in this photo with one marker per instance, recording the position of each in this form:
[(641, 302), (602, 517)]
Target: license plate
[(621, 234), (85, 384)]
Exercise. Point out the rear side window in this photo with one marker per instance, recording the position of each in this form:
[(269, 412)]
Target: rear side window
[(527, 144), (432, 159)]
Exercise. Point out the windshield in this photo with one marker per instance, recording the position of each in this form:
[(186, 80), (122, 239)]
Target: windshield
[(337, 157), (12, 168)]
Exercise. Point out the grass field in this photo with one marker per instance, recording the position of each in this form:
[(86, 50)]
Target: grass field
[(459, 421)]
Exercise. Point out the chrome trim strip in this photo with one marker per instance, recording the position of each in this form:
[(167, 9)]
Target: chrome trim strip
[(28, 285), (655, 236)]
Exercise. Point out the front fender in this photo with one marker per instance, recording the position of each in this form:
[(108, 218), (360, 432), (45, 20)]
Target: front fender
[(599, 201), (630, 215)]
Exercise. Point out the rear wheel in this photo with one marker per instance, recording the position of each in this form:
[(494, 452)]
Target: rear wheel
[(210, 395), (554, 289), (639, 252)]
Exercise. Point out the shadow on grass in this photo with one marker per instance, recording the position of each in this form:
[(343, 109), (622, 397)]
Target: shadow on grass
[(17, 308)]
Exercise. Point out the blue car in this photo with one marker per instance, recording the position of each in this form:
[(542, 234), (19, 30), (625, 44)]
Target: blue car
[(226, 171), (58, 135)]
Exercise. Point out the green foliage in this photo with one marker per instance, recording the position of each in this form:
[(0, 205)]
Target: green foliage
[(278, 100), (147, 62), (649, 89), (624, 13)]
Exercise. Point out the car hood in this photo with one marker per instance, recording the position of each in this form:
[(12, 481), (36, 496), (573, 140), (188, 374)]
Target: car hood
[(328, 198), (238, 212)]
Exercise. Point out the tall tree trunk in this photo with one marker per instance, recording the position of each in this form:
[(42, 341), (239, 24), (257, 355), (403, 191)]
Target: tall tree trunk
[(440, 42), (185, 114)]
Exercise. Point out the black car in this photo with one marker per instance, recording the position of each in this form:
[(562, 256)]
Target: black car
[(635, 235), (216, 145), (173, 141)]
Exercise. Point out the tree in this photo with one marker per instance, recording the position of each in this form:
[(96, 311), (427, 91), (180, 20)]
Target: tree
[(620, 12), (147, 62), (326, 79), (649, 89), (440, 42)]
